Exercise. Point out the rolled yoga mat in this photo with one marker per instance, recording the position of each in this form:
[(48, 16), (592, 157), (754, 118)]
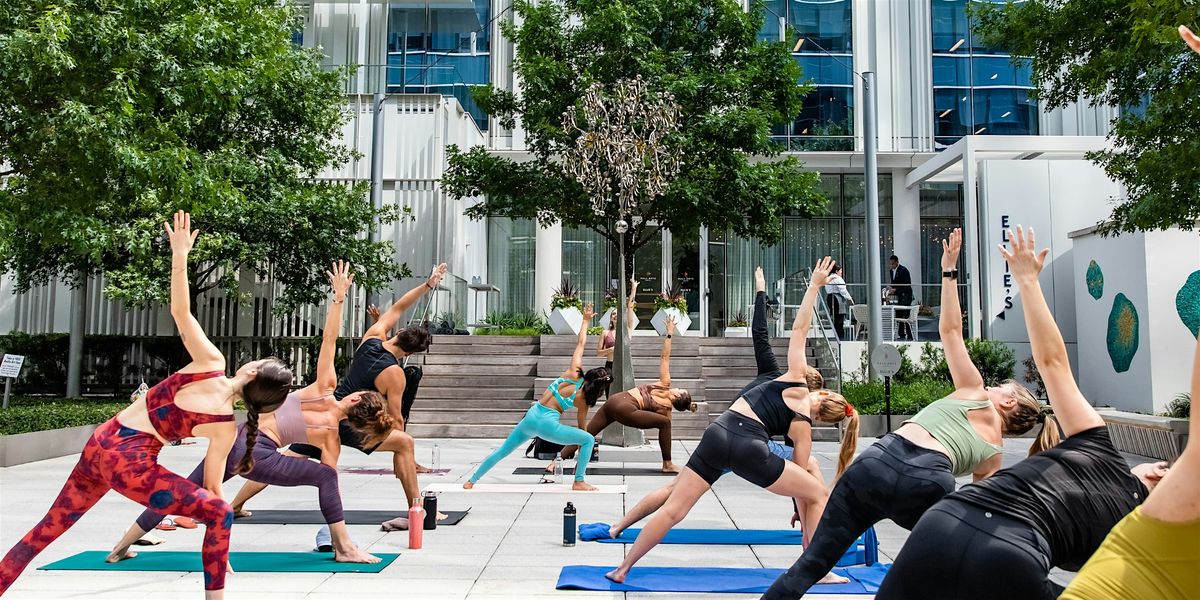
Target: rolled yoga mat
[(243, 562), (864, 552), (863, 580), (636, 471), (353, 517)]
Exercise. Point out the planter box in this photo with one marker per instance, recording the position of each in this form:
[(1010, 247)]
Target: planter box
[(737, 332), (876, 425), (24, 448), (1156, 437), (682, 321), (566, 321)]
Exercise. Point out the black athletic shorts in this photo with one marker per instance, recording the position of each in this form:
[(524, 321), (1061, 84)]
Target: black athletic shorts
[(737, 443), (350, 437)]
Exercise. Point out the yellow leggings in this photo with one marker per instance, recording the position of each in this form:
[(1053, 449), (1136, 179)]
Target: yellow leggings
[(1142, 558)]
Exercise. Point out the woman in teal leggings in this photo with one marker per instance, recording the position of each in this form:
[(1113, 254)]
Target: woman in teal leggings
[(543, 418)]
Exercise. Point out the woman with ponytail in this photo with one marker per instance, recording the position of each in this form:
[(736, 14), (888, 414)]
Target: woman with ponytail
[(647, 406), (122, 454), (309, 415), (999, 538), (739, 441), (909, 470)]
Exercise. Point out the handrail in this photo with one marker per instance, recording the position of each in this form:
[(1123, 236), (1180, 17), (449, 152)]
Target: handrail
[(821, 314)]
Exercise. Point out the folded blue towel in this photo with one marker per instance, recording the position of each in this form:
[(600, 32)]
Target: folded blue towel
[(590, 532)]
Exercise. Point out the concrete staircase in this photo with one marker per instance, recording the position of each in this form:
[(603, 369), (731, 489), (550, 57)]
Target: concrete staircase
[(480, 386)]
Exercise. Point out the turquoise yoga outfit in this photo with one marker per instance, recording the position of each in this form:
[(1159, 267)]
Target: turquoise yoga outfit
[(543, 421)]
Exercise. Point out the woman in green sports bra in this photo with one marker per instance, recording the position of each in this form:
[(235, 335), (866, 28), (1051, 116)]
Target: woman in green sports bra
[(912, 468), (543, 418)]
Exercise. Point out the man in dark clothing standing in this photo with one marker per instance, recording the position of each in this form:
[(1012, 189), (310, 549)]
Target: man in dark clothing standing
[(901, 286)]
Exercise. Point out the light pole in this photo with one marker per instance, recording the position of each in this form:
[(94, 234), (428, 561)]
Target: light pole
[(622, 156)]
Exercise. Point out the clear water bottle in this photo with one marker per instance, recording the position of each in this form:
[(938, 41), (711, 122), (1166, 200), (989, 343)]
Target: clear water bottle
[(437, 458), (558, 469)]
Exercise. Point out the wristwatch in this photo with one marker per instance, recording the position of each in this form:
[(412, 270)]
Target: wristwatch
[(952, 274)]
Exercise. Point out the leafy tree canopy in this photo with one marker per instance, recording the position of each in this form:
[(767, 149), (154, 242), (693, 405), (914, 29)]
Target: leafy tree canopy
[(115, 113), (1124, 53), (729, 86)]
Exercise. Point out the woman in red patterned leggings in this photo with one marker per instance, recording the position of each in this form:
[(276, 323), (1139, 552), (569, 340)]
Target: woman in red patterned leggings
[(123, 453)]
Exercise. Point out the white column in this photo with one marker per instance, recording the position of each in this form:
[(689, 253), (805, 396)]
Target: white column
[(547, 265), (906, 226)]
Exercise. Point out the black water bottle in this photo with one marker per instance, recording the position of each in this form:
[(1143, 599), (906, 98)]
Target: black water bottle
[(430, 511), (569, 525)]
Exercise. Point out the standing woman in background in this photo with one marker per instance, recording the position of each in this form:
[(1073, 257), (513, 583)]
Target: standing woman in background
[(645, 407), (606, 346), (196, 401), (544, 418)]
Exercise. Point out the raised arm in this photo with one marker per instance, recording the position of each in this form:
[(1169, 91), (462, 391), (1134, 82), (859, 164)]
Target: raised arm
[(340, 278), (1071, 409), (968, 383), (797, 362), (205, 356), (389, 319), (664, 359), (577, 358)]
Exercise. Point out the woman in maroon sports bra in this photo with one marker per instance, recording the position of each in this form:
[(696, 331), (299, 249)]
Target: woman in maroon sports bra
[(196, 401)]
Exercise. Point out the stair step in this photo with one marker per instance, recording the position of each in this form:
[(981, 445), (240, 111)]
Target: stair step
[(687, 367), (478, 359), (474, 402), (456, 392), (469, 380), (485, 340), (444, 349), (521, 370)]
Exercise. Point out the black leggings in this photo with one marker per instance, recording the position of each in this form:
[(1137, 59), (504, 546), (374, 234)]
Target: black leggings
[(893, 479), (958, 550), (737, 443)]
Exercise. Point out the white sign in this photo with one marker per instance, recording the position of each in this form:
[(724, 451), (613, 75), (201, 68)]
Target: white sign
[(11, 366), (886, 360)]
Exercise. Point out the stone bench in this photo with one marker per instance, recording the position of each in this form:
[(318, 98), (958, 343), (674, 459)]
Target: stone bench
[(1156, 437)]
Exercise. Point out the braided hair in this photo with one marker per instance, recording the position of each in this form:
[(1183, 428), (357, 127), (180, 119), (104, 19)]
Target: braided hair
[(263, 394)]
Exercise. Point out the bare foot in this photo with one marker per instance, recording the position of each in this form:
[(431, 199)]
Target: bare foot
[(354, 555), (583, 486), (832, 578), (423, 469), (615, 576), (550, 468), (241, 513), (441, 516), (669, 467), (119, 555), (468, 485)]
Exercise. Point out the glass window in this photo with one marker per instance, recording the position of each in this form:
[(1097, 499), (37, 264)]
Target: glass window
[(512, 244), (585, 263), (441, 48), (977, 90), (941, 212)]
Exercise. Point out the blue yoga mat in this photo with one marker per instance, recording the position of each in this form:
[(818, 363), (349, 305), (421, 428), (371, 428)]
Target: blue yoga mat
[(243, 562), (863, 580), (865, 550)]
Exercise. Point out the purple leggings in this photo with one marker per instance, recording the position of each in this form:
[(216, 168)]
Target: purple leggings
[(272, 468)]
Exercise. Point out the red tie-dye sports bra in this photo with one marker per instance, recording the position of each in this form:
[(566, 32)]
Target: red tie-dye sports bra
[(172, 422)]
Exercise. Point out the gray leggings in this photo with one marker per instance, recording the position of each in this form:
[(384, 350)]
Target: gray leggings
[(271, 468)]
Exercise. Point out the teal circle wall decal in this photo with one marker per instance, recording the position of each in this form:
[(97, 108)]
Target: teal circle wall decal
[(1095, 280), (1122, 333), (1187, 303)]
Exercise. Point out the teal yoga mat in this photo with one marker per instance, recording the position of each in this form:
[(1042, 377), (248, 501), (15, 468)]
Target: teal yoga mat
[(863, 580), (243, 562)]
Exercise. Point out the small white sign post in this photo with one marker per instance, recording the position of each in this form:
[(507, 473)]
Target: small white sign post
[(10, 369), (886, 360)]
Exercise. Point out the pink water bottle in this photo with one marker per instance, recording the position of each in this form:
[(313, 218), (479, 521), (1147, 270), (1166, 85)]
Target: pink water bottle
[(416, 524)]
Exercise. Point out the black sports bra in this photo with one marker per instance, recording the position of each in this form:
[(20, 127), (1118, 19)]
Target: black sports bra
[(767, 402)]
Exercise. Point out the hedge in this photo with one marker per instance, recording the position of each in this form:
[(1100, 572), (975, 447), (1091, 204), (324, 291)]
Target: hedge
[(40, 414), (908, 398)]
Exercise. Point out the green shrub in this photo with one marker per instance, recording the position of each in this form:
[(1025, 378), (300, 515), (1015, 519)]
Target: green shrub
[(39, 414), (597, 330), (908, 398), (994, 359), (513, 331)]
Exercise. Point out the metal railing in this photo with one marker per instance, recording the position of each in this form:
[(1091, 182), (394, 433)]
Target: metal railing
[(900, 324)]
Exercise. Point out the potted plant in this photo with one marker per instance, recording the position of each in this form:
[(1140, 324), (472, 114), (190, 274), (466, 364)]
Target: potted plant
[(738, 327), (566, 309), (671, 303), (610, 305)]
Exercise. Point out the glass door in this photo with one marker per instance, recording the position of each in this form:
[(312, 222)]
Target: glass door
[(715, 298), (648, 271), (685, 272)]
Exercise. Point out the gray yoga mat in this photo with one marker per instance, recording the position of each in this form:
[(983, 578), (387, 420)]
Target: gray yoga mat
[(353, 517), (635, 471)]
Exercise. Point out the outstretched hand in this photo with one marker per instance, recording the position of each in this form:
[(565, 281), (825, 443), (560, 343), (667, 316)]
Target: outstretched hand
[(1192, 40), (670, 325), (1023, 259), (820, 274), (436, 277), (951, 247), (760, 280), (588, 313), (341, 278), (181, 235), (373, 312)]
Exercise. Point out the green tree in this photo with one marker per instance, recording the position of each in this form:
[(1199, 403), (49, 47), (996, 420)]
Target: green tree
[(1124, 53), (730, 89), (115, 113)]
